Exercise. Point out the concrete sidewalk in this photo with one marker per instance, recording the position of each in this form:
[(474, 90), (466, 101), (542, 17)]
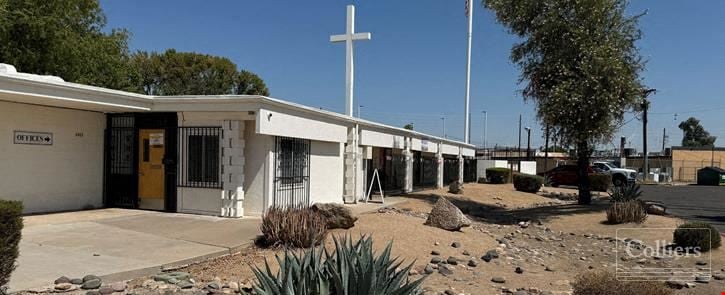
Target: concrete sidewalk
[(121, 244)]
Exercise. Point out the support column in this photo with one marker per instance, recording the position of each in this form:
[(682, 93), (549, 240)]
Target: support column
[(233, 169), (460, 167), (408, 156), (439, 160), (353, 164)]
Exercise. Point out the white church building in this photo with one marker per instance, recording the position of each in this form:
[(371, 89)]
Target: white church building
[(66, 146)]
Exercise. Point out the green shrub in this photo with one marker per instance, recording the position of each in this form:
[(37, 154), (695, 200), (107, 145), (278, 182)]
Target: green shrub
[(624, 193), (295, 226), (606, 283), (697, 234), (352, 268), (11, 225), (527, 183), (498, 175), (600, 182), (625, 212)]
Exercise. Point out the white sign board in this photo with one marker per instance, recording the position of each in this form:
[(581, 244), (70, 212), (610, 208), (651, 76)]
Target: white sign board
[(35, 138), (156, 139)]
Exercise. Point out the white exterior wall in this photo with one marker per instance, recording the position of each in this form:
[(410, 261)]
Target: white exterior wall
[(214, 201), (528, 167), (257, 170), (299, 125), (326, 172), (381, 139), (448, 149), (67, 175)]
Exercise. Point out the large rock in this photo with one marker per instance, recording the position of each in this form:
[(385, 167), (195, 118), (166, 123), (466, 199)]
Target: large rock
[(447, 216), (338, 216), (456, 187), (655, 208)]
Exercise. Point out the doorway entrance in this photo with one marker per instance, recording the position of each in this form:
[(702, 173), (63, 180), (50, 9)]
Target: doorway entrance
[(151, 169), (141, 161)]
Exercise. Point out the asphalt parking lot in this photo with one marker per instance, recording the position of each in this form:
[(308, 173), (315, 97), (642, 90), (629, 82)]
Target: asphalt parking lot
[(691, 202)]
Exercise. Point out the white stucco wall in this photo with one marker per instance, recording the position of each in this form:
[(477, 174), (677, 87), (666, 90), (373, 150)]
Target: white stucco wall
[(449, 149), (381, 139), (257, 179), (528, 167), (299, 125), (67, 175), (326, 172), (206, 201)]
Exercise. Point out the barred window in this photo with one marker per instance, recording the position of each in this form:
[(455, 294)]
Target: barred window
[(201, 154)]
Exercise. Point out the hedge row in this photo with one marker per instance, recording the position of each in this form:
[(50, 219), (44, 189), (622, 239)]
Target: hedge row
[(498, 175), (11, 225)]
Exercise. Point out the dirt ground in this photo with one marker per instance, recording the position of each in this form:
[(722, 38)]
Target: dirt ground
[(557, 241)]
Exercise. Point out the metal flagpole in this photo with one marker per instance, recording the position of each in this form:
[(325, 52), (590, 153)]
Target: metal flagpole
[(466, 133)]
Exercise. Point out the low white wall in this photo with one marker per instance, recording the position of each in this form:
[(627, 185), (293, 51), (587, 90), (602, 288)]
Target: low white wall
[(199, 200), (482, 165), (326, 172), (528, 167), (67, 175)]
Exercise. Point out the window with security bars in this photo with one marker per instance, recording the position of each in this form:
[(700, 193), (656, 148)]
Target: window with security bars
[(292, 157), (201, 157)]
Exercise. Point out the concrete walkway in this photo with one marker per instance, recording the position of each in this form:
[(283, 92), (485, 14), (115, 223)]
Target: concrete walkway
[(121, 244)]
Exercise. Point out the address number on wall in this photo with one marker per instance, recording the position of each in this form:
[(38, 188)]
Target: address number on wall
[(36, 138)]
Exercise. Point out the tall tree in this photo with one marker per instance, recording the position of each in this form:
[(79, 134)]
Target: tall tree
[(249, 83), (66, 39), (189, 73), (580, 67), (695, 135)]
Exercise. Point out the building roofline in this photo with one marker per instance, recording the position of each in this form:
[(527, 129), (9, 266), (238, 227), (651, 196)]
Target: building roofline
[(55, 83)]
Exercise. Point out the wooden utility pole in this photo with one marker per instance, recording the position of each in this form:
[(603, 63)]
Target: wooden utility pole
[(645, 107), (664, 140)]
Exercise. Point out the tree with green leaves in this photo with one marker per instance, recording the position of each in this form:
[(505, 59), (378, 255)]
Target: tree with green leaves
[(190, 73), (65, 39), (408, 126), (695, 135), (249, 83), (580, 67)]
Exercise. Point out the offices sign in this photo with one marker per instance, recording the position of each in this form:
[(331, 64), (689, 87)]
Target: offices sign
[(33, 138)]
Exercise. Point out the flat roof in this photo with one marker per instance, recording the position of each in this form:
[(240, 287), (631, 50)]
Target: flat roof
[(54, 91)]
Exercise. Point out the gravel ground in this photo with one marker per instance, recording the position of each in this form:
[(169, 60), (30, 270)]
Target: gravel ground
[(542, 245)]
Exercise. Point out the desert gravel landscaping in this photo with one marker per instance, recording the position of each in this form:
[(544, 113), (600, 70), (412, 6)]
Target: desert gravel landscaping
[(518, 243)]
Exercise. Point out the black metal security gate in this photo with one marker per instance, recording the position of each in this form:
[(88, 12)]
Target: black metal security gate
[(424, 170), (393, 172), (121, 183), (450, 170), (469, 170), (292, 172), (121, 154)]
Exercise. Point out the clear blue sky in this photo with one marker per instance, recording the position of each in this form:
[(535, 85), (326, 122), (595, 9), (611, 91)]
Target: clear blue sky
[(413, 68)]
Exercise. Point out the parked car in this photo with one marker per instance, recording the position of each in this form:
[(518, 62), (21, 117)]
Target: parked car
[(620, 176), (564, 175)]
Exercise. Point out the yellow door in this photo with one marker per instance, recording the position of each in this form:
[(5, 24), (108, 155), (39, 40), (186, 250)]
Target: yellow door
[(151, 169)]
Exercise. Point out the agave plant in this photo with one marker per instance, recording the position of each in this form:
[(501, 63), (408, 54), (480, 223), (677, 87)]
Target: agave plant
[(624, 193), (351, 269)]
